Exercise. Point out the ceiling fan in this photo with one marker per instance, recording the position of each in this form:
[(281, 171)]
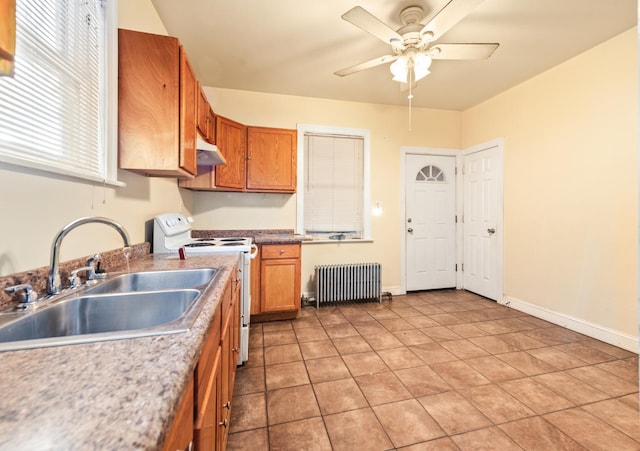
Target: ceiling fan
[(413, 44)]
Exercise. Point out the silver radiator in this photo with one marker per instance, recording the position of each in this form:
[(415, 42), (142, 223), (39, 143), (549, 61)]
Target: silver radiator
[(349, 282)]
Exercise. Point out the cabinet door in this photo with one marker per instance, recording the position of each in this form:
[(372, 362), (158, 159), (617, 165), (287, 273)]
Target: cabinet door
[(180, 434), (206, 428), (235, 325), (224, 403), (255, 283), (231, 140), (188, 108), (271, 159), (203, 114), (211, 123), (148, 102), (280, 285)]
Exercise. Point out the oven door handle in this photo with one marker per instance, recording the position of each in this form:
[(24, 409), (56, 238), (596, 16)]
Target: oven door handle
[(254, 251)]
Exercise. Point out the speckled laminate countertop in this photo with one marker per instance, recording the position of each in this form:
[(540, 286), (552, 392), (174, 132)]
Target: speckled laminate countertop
[(112, 395), (278, 239), (260, 236)]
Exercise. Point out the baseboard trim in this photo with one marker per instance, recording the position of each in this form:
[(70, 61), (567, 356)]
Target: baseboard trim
[(395, 291), (611, 336)]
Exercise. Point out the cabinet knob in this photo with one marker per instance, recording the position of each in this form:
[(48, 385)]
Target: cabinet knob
[(281, 251), (223, 423), (227, 405)]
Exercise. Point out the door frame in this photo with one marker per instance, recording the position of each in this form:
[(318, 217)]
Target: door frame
[(429, 151), (459, 208), (499, 144)]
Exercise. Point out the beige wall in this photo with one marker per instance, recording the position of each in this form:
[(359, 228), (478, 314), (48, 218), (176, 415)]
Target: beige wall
[(35, 206), (571, 183), (389, 128)]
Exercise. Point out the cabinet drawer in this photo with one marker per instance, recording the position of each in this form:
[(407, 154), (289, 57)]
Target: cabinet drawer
[(270, 251)]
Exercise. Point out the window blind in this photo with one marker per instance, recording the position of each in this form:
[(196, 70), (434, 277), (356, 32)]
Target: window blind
[(334, 186), (52, 112)]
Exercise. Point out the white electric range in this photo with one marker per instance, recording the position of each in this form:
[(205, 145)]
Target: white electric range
[(172, 234)]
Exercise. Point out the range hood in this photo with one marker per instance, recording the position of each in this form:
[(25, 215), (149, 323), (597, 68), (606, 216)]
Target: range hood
[(208, 154)]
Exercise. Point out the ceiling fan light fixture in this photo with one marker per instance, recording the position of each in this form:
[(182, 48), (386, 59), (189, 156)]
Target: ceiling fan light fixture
[(399, 69), (421, 64)]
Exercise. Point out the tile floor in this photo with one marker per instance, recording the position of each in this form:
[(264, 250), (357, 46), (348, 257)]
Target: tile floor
[(442, 370)]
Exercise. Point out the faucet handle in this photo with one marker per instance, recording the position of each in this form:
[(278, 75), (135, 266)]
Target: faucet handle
[(74, 279), (98, 271), (94, 263), (25, 291)]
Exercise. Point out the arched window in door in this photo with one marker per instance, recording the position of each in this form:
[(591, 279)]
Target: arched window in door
[(431, 174)]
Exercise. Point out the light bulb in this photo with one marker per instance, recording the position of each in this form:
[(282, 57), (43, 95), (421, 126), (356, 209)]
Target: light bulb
[(399, 69), (421, 63)]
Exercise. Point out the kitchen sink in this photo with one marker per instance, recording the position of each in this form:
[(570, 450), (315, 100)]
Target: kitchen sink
[(155, 280), (127, 306)]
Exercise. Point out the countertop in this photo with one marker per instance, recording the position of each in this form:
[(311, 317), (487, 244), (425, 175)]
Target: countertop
[(278, 239), (120, 394), (260, 236)]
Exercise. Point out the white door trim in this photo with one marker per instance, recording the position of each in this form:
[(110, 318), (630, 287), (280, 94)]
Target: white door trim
[(404, 150), (499, 143)]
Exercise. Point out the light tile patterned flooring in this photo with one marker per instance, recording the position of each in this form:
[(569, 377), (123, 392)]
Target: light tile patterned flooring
[(443, 370)]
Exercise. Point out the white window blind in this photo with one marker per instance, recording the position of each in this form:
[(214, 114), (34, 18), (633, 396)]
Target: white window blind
[(334, 186), (53, 112)]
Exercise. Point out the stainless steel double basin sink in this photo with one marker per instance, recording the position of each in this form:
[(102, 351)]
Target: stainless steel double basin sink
[(125, 306)]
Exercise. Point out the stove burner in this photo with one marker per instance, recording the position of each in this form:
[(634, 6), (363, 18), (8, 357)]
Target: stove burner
[(229, 239), (200, 244), (233, 243)]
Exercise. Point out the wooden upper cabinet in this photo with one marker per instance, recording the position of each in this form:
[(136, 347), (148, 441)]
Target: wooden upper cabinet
[(259, 159), (271, 159), (157, 98), (7, 36), (206, 119), (231, 139), (188, 109)]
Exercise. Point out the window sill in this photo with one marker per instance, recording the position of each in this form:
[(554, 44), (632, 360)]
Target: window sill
[(54, 172), (352, 241)]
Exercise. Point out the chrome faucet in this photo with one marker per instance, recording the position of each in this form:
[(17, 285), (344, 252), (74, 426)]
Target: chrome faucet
[(91, 270), (53, 282)]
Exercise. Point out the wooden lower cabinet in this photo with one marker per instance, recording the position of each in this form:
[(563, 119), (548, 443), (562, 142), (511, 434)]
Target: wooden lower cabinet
[(180, 436), (280, 278), (215, 372), (207, 388), (205, 432)]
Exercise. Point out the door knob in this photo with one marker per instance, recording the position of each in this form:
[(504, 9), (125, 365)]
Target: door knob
[(410, 230), (491, 231)]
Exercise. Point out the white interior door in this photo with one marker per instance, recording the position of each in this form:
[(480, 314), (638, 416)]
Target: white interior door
[(430, 227), (483, 222)]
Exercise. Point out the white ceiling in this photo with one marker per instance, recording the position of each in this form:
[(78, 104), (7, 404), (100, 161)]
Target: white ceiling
[(294, 46)]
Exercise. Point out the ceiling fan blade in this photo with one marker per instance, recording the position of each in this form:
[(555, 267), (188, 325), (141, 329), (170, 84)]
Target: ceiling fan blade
[(462, 51), (366, 21), (366, 65), (448, 16)]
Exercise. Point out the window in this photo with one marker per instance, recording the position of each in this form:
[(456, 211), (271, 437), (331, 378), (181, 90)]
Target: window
[(56, 113), (431, 174), (333, 183)]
